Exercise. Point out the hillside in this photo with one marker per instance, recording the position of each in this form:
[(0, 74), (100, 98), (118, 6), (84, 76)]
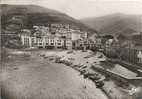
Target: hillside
[(16, 17), (32, 14), (114, 24)]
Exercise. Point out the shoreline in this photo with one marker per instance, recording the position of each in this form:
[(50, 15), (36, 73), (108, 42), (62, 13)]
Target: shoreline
[(82, 59), (115, 92), (41, 78)]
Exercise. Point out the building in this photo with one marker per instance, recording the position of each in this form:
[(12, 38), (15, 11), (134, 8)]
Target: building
[(112, 48), (27, 39), (75, 35), (93, 37), (98, 42), (52, 36), (139, 56), (60, 25), (69, 44), (43, 38), (91, 44), (50, 42)]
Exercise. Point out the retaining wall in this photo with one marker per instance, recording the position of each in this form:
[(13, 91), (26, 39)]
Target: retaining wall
[(119, 77)]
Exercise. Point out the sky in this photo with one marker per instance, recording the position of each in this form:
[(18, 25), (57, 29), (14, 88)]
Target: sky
[(86, 8)]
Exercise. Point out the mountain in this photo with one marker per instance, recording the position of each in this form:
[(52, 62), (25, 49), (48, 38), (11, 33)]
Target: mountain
[(32, 14), (115, 24), (16, 17)]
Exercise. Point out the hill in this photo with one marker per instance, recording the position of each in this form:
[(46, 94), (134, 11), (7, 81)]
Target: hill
[(33, 14), (115, 24), (16, 17)]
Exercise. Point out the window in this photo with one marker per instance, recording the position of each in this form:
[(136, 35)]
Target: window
[(40, 43), (59, 43), (52, 43), (26, 41), (58, 40), (51, 40), (46, 43)]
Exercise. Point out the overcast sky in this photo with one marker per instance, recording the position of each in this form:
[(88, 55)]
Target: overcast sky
[(86, 8)]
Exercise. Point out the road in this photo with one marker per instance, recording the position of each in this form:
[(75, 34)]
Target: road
[(37, 78)]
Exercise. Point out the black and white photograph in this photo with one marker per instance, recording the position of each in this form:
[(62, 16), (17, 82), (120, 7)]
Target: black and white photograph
[(70, 49)]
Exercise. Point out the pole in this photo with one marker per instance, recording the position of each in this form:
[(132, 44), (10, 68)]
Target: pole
[(84, 45)]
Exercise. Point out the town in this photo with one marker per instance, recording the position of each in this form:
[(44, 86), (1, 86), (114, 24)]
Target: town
[(62, 36), (46, 54), (53, 36)]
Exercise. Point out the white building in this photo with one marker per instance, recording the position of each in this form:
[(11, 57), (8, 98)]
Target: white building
[(139, 56), (69, 44), (27, 39), (50, 41), (54, 35)]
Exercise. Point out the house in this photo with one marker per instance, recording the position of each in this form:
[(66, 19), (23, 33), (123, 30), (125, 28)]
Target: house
[(76, 34), (108, 43), (98, 42), (84, 35), (78, 44), (60, 25), (39, 42), (59, 42), (41, 31), (53, 36), (69, 44), (50, 42), (90, 43), (139, 56), (112, 48), (93, 37), (27, 39)]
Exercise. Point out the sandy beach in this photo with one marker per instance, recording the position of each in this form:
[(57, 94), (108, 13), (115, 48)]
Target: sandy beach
[(33, 77)]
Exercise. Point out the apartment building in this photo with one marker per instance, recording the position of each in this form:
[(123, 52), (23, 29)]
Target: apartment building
[(27, 39), (49, 42), (53, 36)]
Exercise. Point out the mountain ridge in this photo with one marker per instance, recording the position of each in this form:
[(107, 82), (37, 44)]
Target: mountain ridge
[(114, 24), (36, 14)]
